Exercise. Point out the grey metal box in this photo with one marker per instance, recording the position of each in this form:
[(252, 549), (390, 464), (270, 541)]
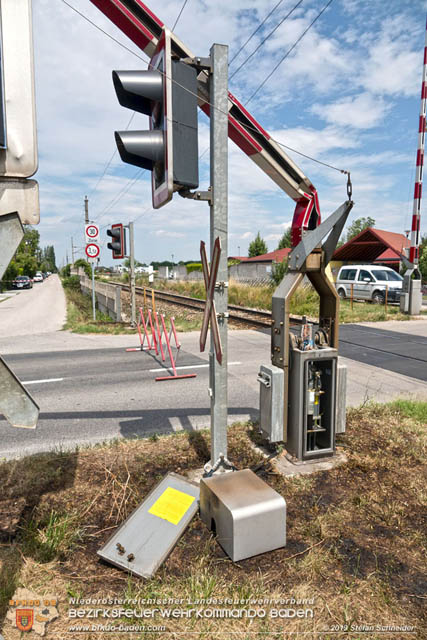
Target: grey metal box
[(296, 444), (271, 402), (340, 419), (147, 537), (248, 516)]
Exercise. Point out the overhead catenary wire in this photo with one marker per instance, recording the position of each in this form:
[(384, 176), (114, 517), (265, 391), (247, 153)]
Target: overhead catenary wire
[(145, 59), (127, 49), (276, 6), (110, 160), (247, 126), (102, 30), (179, 15), (288, 52), (121, 193), (266, 38)]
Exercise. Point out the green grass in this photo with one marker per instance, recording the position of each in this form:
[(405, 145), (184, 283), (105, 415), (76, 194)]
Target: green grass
[(51, 538), (417, 410), (80, 316)]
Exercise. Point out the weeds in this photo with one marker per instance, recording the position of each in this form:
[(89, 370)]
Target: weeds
[(80, 315), (355, 534), (51, 539)]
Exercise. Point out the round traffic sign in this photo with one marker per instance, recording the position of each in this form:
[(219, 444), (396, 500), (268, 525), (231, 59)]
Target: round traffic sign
[(92, 231), (92, 250)]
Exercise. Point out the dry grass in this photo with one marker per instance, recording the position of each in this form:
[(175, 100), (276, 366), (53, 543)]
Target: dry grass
[(80, 316), (304, 302), (356, 534)]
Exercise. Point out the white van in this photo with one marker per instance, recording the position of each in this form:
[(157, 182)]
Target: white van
[(369, 283)]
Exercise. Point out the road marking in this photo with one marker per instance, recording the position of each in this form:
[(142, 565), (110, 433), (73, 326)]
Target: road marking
[(189, 366), (41, 381)]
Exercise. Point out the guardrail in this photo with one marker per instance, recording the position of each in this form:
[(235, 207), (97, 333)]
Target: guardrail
[(108, 296)]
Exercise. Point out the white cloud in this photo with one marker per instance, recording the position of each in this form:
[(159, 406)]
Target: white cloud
[(377, 48), (361, 112), (169, 234), (393, 66)]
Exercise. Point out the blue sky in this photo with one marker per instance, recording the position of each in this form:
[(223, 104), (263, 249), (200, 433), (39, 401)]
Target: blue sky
[(349, 95)]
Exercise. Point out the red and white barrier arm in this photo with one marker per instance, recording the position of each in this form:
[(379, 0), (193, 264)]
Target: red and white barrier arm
[(136, 20), (416, 212)]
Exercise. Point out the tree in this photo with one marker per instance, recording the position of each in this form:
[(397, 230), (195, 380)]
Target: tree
[(257, 247), (280, 269), (48, 259), (359, 225), (85, 265), (423, 258), (285, 241), (126, 263), (423, 264), (26, 258)]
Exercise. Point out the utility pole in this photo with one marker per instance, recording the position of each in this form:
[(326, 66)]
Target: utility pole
[(132, 275), (219, 228), (72, 250), (86, 210)]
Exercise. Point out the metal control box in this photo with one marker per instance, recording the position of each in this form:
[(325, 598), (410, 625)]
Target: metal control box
[(248, 516), (308, 439), (411, 295), (271, 402)]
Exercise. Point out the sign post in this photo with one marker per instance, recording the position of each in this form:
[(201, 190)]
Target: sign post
[(92, 253), (132, 275)]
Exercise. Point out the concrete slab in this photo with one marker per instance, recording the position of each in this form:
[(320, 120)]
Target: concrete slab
[(288, 466)]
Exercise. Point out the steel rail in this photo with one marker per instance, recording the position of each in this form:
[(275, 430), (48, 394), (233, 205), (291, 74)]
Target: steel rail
[(252, 316)]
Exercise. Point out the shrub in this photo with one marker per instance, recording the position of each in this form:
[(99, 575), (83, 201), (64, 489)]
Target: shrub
[(279, 270), (193, 266), (71, 282)]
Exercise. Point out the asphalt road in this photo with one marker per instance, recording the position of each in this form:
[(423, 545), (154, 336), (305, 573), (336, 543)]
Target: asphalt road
[(41, 309), (90, 395), (90, 389), (404, 353)]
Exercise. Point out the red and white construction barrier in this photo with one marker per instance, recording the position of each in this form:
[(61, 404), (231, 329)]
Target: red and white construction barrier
[(143, 327), (160, 341), (174, 375)]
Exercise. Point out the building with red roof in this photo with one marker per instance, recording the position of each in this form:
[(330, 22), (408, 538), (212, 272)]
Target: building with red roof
[(374, 246)]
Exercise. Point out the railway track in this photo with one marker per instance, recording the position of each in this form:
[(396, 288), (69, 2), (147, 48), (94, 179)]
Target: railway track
[(246, 315)]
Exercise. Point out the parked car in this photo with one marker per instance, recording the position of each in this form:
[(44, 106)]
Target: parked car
[(38, 277), (369, 283), (22, 282)]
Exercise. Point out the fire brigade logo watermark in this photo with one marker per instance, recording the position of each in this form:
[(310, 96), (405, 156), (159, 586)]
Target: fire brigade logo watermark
[(24, 619), (31, 612)]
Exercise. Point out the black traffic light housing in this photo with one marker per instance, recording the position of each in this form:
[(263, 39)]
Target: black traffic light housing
[(118, 244), (167, 93)]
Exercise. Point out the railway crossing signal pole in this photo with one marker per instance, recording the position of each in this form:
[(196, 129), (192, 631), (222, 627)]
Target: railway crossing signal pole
[(216, 279), (219, 229)]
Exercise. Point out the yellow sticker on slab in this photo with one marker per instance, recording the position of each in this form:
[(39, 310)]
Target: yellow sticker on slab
[(172, 505)]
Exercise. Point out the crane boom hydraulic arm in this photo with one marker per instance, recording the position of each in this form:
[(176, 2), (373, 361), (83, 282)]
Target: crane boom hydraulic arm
[(136, 21)]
